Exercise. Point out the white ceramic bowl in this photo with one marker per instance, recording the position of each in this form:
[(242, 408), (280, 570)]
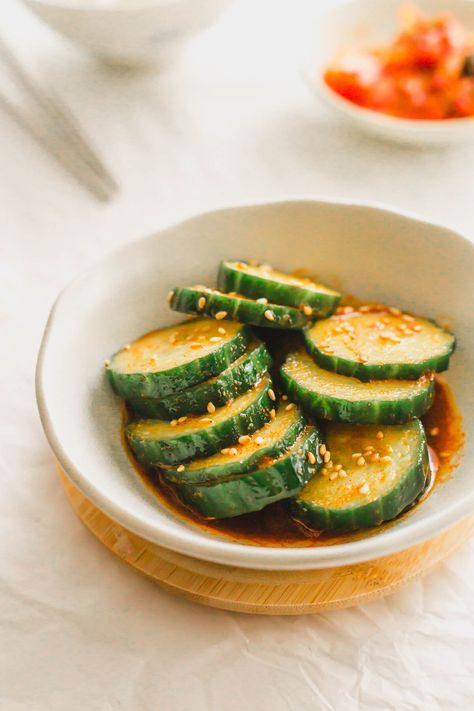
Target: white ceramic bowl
[(367, 23), (369, 251), (133, 32)]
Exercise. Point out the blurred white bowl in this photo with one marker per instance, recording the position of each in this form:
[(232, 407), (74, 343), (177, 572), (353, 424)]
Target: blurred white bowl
[(372, 252), (133, 33), (367, 23)]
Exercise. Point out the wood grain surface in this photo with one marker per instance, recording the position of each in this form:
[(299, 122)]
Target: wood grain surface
[(261, 591)]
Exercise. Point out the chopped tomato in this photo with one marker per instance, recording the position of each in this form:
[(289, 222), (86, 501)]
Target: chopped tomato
[(421, 75)]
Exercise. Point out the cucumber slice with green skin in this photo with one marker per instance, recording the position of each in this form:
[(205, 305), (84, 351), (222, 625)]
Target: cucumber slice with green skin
[(156, 442), (372, 492), (331, 396), (201, 300), (261, 281), (171, 359), (239, 377), (276, 480), (379, 345), (267, 443)]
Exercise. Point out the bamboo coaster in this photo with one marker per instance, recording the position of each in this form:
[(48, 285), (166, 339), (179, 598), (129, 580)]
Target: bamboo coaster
[(267, 592)]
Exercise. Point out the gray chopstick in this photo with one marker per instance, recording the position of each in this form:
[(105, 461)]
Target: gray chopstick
[(65, 124), (73, 167)]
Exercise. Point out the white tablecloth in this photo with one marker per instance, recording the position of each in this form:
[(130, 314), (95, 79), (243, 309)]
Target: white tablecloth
[(230, 121)]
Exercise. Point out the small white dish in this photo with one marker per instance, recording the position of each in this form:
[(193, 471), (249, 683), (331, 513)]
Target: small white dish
[(128, 32), (370, 251), (366, 23)]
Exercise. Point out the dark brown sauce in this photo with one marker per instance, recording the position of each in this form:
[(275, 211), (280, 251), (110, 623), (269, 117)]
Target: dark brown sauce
[(274, 527)]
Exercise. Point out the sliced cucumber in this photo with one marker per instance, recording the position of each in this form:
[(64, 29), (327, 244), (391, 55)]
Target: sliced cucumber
[(370, 492), (201, 300), (379, 345), (330, 396), (156, 442), (240, 376), (269, 442), (261, 281), (166, 361), (279, 479)]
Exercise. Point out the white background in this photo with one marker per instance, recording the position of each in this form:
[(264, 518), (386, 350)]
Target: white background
[(230, 121)]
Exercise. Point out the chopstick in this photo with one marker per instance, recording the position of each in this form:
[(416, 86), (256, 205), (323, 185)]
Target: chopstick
[(44, 139), (92, 174)]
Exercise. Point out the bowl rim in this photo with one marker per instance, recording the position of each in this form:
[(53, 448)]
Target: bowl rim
[(215, 549), (138, 5), (370, 116)]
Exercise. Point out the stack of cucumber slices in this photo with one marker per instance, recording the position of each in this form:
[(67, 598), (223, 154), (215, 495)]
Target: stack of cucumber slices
[(335, 429)]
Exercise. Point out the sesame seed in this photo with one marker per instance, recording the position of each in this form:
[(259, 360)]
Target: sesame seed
[(233, 451), (356, 455), (220, 315), (180, 468), (307, 310), (273, 414), (262, 300), (324, 471), (206, 419), (259, 440), (194, 346), (333, 475), (375, 457), (434, 431), (407, 317), (222, 331), (322, 449), (326, 456), (386, 458), (330, 464), (363, 359), (360, 462), (243, 439), (284, 397), (106, 363), (444, 455), (379, 434), (169, 296), (173, 423), (364, 489), (215, 339), (394, 311), (211, 407), (225, 450), (311, 458), (269, 315), (127, 347), (343, 474), (182, 419), (271, 394), (417, 328), (202, 302), (289, 407), (338, 467)]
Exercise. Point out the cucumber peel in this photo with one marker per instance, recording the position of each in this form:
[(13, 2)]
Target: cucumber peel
[(370, 492), (237, 378), (235, 307), (168, 360), (257, 281), (340, 398), (156, 442), (268, 442), (273, 481), (379, 345)]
